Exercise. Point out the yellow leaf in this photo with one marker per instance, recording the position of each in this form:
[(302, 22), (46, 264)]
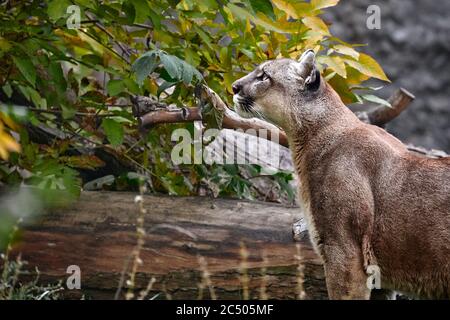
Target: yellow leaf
[(229, 14), (248, 26), (5, 45), (243, 14), (319, 4), (286, 7), (316, 24), (3, 153), (335, 63), (311, 39), (339, 84), (367, 65), (346, 51), (8, 121), (354, 77), (294, 10), (7, 144), (228, 79)]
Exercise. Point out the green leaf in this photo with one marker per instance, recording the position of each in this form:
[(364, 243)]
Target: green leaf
[(248, 53), (37, 100), (155, 18), (142, 10), (33, 96), (114, 131), (68, 111), (188, 73), (115, 87), (165, 85), (172, 66), (375, 99), (130, 11), (57, 76), (144, 66), (92, 59), (57, 9), (243, 14), (51, 176), (131, 86), (7, 90), (205, 38), (211, 116), (367, 65), (179, 69), (264, 6), (26, 68)]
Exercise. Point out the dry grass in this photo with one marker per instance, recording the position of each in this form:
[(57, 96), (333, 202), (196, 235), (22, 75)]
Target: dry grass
[(243, 270), (135, 258), (244, 279), (300, 274), (264, 278), (12, 288), (128, 276), (206, 279)]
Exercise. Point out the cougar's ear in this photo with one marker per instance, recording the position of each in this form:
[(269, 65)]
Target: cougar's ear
[(305, 68)]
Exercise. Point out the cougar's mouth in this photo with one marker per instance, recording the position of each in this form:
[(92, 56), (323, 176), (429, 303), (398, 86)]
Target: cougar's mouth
[(244, 105)]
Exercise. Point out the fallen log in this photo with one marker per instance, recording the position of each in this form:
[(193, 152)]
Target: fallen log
[(178, 232)]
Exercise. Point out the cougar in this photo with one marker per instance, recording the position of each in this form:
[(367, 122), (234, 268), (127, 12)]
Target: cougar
[(367, 200)]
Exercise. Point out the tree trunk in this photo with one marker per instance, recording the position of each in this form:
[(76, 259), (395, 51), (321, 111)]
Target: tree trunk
[(98, 234)]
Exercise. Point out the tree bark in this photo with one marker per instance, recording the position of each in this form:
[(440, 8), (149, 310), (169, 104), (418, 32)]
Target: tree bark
[(99, 239)]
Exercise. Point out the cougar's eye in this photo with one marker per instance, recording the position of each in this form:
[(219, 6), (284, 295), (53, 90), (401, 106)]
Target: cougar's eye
[(263, 76)]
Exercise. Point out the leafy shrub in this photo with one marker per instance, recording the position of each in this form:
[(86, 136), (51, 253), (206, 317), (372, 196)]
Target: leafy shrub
[(78, 82)]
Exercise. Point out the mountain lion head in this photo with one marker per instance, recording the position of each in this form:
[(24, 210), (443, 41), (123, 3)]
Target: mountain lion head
[(269, 90)]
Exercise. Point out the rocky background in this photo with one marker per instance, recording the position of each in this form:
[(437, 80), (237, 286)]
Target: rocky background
[(413, 47)]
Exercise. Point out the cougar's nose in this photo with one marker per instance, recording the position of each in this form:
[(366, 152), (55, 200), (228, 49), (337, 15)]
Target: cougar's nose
[(236, 87)]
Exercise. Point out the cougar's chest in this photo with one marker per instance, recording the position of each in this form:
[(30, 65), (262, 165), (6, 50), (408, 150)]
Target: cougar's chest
[(305, 206), (301, 159), (304, 196)]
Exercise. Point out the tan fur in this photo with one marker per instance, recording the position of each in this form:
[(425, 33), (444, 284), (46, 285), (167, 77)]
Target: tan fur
[(367, 199)]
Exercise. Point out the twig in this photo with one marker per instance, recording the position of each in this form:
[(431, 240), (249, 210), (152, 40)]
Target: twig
[(81, 114), (111, 37)]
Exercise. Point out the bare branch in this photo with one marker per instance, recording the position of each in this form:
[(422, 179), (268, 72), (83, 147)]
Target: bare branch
[(231, 120), (381, 115)]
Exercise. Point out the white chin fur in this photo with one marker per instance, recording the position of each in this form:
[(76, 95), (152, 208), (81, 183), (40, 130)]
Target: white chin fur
[(241, 112), (238, 108)]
